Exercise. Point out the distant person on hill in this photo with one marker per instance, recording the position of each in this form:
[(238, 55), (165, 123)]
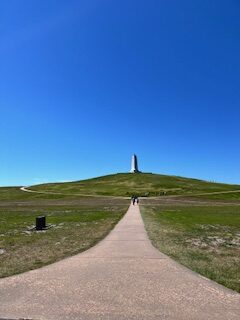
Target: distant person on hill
[(137, 200), (133, 200)]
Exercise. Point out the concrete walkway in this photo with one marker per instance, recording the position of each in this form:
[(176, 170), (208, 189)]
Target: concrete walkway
[(123, 277)]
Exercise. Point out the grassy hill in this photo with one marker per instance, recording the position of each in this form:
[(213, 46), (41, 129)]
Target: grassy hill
[(142, 184), (202, 235)]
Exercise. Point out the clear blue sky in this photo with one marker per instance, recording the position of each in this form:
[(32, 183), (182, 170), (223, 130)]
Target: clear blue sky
[(85, 84)]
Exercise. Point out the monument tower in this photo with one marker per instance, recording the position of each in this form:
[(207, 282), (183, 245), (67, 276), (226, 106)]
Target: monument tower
[(134, 164)]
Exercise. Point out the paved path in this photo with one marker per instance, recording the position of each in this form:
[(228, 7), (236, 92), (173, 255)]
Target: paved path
[(26, 189), (123, 277)]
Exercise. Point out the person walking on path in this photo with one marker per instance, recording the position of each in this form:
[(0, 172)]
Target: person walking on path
[(133, 200)]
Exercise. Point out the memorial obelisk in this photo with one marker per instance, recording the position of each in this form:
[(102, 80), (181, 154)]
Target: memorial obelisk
[(134, 164)]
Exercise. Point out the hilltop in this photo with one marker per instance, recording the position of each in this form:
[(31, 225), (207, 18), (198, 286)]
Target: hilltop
[(142, 184)]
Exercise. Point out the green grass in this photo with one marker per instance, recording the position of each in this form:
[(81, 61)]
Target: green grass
[(81, 215), (143, 184), (205, 239), (228, 196), (14, 193), (75, 228)]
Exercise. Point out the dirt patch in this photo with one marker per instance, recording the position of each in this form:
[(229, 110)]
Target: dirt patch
[(228, 240)]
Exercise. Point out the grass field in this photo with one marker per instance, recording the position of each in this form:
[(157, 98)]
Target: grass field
[(143, 184), (204, 238), (228, 196), (14, 193), (76, 225), (198, 231)]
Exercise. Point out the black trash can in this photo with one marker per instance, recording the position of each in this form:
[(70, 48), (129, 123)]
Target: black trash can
[(40, 223)]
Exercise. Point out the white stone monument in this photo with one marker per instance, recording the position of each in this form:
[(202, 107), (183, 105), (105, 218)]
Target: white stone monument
[(134, 164)]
